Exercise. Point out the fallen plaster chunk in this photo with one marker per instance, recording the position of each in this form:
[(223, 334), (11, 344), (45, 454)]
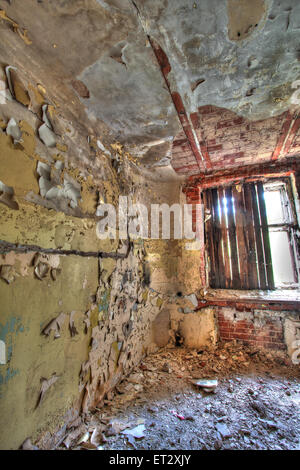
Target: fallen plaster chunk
[(223, 430), (138, 432), (46, 384), (84, 438), (27, 445), (14, 131), (206, 384), (96, 437), (73, 437)]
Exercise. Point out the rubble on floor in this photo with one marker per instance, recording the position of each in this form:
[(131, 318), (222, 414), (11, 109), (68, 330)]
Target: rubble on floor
[(250, 400)]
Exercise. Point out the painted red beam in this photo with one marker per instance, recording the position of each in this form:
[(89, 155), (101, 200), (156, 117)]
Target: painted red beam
[(286, 127), (292, 134), (190, 132), (186, 122)]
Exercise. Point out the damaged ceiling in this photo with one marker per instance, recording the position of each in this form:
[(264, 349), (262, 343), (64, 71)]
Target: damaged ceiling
[(145, 73)]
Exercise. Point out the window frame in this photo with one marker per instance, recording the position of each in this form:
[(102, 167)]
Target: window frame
[(291, 227)]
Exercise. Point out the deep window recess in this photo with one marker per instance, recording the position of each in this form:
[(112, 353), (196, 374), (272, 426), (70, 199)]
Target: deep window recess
[(250, 236)]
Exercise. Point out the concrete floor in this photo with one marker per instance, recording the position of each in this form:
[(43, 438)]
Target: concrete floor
[(256, 404)]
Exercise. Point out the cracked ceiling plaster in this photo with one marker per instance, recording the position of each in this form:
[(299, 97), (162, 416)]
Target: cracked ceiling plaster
[(142, 69)]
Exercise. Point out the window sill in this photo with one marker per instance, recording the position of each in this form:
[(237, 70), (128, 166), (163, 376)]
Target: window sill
[(288, 299)]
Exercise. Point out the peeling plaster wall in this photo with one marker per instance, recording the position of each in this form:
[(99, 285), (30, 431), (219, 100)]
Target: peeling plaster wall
[(28, 305), (76, 311)]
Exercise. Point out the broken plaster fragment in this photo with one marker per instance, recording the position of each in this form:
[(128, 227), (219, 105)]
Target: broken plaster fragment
[(45, 186), (101, 147), (54, 325), (138, 432), (46, 133), (55, 273), (9, 80), (72, 327), (72, 190), (193, 299), (59, 165), (47, 136), (41, 270), (87, 321), (50, 190), (43, 170), (27, 445), (97, 437), (116, 348), (5, 94), (16, 86), (6, 196), (14, 131), (73, 437), (7, 273), (206, 384), (45, 116), (45, 385)]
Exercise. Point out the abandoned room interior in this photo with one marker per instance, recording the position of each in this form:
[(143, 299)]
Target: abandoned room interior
[(149, 235)]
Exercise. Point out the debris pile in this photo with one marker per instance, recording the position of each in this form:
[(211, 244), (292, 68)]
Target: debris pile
[(228, 398)]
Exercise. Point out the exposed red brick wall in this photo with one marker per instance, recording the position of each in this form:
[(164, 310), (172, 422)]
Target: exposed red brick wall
[(260, 329), (231, 141)]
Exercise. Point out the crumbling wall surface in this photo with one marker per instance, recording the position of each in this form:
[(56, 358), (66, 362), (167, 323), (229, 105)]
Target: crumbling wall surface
[(180, 323), (196, 330), (76, 311), (277, 331), (72, 327), (42, 327)]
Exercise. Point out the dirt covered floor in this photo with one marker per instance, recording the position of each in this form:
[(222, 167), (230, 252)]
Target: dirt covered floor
[(255, 405)]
